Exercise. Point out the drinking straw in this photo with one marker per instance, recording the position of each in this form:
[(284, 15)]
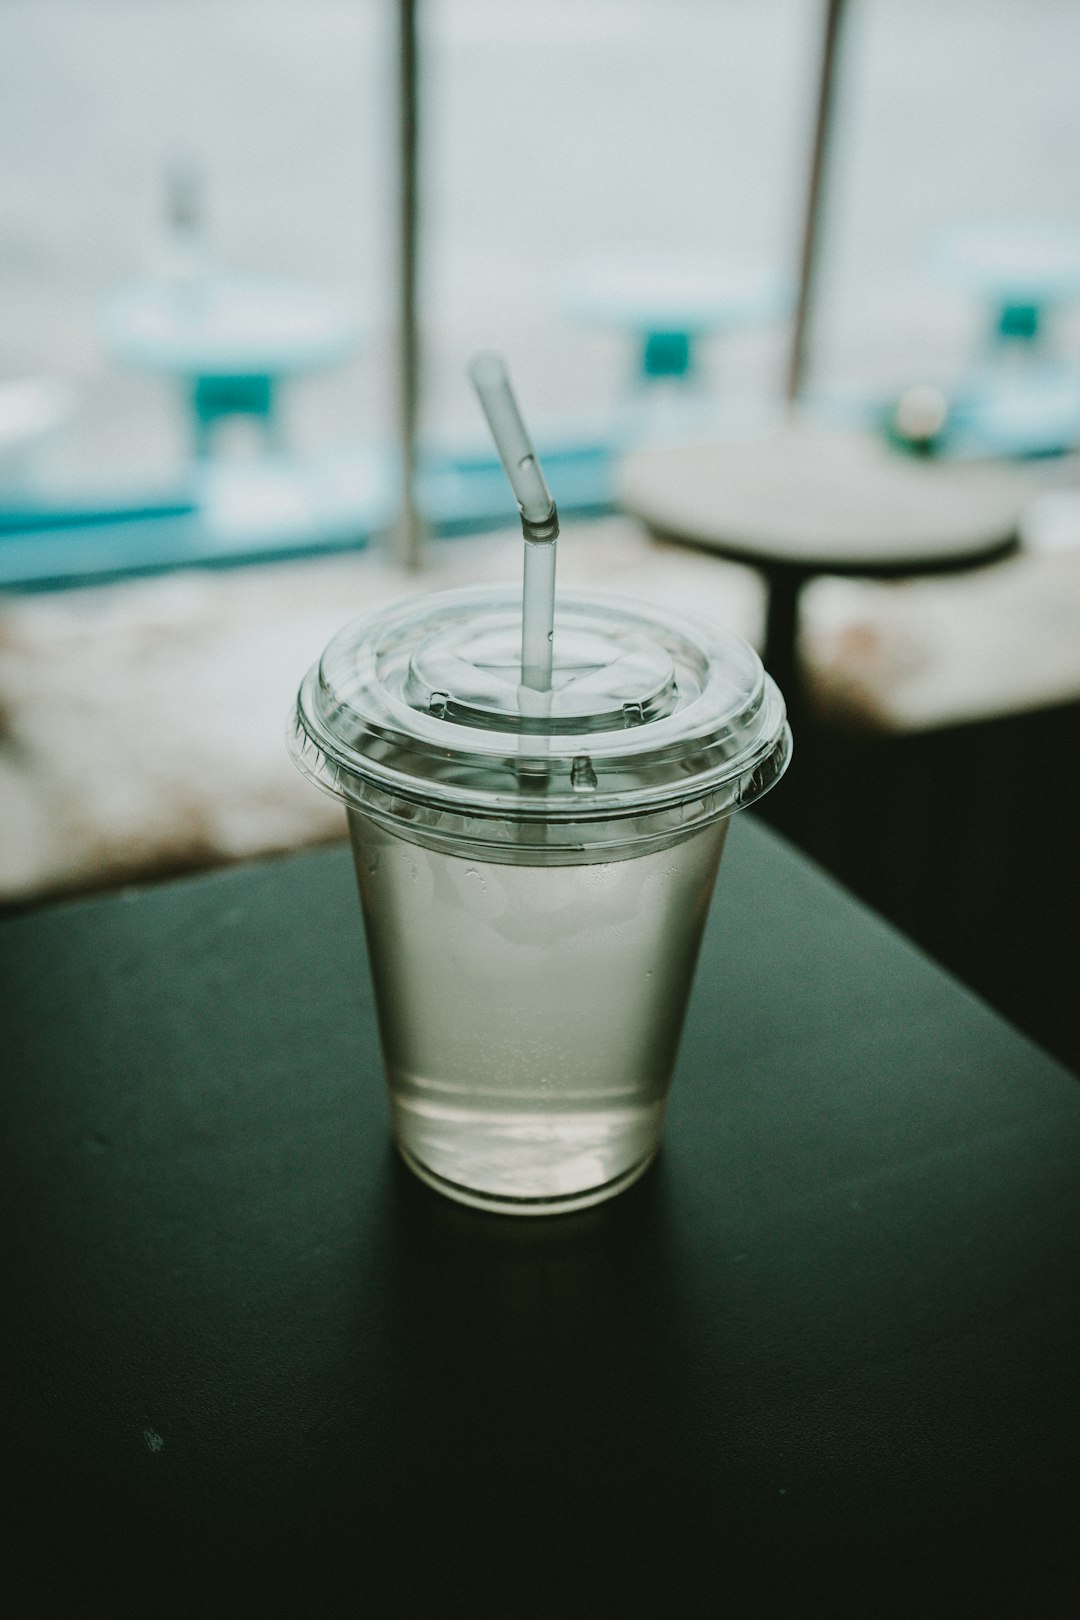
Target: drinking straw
[(539, 519)]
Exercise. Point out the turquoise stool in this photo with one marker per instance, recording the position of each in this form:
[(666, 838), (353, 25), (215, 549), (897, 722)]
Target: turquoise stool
[(229, 344), (666, 305), (1019, 398), (1021, 273)]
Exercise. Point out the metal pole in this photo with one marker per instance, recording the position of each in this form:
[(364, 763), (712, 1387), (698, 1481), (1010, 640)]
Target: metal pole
[(815, 199), (408, 529)]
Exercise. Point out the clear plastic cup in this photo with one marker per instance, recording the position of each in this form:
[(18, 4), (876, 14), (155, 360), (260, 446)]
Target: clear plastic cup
[(535, 870)]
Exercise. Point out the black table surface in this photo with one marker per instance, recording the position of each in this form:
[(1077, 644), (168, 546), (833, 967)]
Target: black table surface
[(822, 1360)]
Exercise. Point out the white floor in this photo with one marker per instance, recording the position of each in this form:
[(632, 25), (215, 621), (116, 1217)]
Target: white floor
[(142, 724)]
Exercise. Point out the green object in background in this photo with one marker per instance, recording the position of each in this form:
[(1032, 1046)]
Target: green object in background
[(667, 354)]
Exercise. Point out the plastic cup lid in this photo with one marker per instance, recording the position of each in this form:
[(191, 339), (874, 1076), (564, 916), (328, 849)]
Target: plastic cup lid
[(646, 711)]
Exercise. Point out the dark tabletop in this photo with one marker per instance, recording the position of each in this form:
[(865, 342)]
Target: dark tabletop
[(822, 1360)]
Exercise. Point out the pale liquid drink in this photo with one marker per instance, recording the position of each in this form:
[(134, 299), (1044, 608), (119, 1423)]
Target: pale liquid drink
[(530, 1015), (535, 871)]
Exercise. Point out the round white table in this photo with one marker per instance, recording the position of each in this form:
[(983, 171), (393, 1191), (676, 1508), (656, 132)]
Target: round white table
[(800, 501)]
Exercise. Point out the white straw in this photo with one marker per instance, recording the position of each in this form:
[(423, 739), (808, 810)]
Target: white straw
[(539, 519), (538, 614)]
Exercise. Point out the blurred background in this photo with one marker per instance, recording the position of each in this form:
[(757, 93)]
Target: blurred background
[(210, 296)]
